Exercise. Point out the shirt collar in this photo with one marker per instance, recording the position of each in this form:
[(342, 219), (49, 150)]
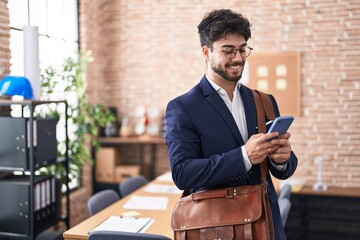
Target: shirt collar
[(217, 87)]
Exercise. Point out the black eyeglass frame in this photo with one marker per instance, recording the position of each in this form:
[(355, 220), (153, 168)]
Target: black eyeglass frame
[(232, 54)]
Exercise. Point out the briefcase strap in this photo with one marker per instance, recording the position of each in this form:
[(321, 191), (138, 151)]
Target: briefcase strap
[(267, 104), (224, 192), (264, 110)]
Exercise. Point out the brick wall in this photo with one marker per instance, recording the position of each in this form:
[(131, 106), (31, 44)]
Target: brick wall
[(148, 52), (4, 39)]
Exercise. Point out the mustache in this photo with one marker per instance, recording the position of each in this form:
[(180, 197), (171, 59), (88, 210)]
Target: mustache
[(235, 64)]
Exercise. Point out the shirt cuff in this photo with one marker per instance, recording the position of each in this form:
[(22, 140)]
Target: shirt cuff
[(279, 167), (247, 162)]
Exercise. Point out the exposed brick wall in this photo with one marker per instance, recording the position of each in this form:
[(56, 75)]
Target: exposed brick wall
[(4, 39), (149, 52), (79, 198)]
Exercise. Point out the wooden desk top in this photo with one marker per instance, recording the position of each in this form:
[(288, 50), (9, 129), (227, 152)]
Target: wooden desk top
[(162, 218), (331, 191)]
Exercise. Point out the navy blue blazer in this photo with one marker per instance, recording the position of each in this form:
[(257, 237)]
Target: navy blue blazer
[(204, 145)]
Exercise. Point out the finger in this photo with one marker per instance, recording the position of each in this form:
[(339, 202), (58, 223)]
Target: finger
[(269, 136), (283, 150), (274, 148), (280, 158), (286, 135), (282, 142), (258, 135)]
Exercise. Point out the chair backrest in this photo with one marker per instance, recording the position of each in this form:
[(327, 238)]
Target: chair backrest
[(131, 184), (101, 200), (117, 235), (284, 205), (285, 192)]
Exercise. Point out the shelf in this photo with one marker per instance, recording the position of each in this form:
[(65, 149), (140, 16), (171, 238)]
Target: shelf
[(108, 165), (27, 144), (28, 102)]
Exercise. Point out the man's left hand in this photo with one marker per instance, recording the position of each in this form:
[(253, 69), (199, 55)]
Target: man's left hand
[(281, 154)]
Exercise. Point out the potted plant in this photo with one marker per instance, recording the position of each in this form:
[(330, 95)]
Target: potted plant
[(84, 119)]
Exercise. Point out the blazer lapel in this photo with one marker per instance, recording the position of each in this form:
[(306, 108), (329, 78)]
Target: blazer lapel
[(216, 101), (250, 109)]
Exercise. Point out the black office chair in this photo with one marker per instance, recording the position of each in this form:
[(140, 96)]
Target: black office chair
[(115, 235), (101, 200), (50, 235), (131, 184), (284, 205), (285, 192)]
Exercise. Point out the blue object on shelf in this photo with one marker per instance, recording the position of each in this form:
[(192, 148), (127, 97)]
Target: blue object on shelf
[(16, 85)]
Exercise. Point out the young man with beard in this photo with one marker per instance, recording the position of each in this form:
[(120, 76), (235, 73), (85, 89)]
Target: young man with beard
[(211, 130)]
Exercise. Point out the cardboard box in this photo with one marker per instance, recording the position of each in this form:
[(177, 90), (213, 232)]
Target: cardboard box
[(107, 158), (123, 172)]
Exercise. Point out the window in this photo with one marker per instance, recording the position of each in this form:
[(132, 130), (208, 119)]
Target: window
[(57, 23)]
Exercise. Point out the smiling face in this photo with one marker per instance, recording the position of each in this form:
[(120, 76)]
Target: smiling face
[(221, 69)]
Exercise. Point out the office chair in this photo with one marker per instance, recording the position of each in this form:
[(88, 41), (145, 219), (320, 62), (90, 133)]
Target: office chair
[(284, 205), (115, 235), (101, 200), (285, 192), (131, 184), (50, 235)]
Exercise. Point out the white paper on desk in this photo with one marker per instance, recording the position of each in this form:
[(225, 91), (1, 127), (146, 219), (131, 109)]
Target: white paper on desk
[(160, 188), (124, 224), (166, 177), (146, 203)]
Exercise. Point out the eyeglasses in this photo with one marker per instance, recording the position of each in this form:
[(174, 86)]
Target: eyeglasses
[(230, 52)]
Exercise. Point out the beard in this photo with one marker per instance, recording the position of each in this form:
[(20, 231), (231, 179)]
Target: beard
[(222, 71)]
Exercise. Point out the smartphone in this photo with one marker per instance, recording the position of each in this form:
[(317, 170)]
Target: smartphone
[(281, 124)]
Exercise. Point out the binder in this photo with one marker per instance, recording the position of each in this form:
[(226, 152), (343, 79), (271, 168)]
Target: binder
[(14, 218), (15, 143)]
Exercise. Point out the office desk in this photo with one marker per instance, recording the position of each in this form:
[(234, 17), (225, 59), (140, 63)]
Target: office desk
[(324, 215), (162, 218)]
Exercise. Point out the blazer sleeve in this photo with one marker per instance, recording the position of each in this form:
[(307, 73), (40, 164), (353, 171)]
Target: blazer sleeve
[(292, 161)]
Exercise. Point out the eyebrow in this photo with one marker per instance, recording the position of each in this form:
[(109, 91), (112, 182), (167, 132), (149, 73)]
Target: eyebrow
[(225, 46)]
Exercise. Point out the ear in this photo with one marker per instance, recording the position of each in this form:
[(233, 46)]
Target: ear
[(205, 51)]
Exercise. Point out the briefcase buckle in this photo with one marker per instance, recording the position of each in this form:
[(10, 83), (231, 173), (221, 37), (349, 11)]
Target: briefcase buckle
[(230, 192)]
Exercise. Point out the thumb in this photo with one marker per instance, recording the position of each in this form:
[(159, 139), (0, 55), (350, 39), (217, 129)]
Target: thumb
[(258, 135)]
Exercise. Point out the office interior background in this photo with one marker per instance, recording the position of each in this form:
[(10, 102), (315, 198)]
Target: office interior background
[(147, 52)]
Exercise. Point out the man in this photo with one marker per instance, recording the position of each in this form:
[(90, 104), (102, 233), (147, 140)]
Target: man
[(211, 130)]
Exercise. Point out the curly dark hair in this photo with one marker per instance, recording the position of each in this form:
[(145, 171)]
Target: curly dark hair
[(218, 23)]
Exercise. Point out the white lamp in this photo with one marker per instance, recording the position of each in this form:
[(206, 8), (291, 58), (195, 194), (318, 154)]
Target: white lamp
[(31, 58), (319, 185)]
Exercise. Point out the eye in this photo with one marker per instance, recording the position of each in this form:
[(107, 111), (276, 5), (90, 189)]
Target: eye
[(228, 50), (243, 49)]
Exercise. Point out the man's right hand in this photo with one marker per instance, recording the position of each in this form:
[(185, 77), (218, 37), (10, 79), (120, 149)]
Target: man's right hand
[(258, 147)]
